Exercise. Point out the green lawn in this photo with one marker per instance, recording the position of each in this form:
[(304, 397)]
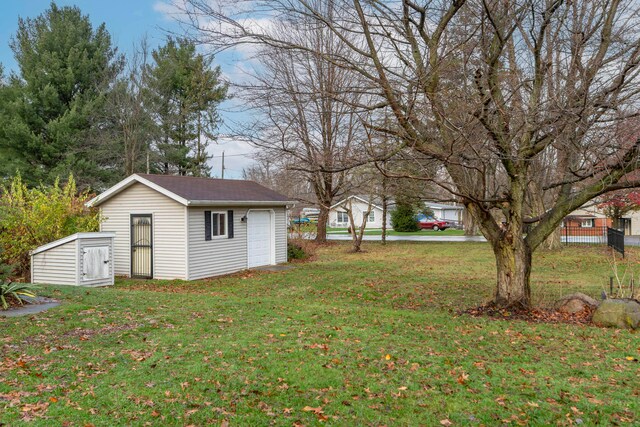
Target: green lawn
[(378, 232), (349, 339)]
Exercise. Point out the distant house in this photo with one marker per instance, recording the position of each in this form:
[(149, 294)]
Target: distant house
[(339, 218), (586, 218), (177, 227), (446, 212)]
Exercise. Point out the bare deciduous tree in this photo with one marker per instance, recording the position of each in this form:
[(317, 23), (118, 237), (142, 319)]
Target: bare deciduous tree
[(307, 115), (485, 88), (123, 138)]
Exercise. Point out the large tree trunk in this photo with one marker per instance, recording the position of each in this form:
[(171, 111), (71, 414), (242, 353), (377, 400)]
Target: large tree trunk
[(513, 262), (323, 218), (469, 223), (538, 209), (553, 241), (384, 216)]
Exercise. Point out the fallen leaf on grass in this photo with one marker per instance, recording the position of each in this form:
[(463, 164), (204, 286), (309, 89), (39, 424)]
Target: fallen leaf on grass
[(317, 410), (445, 422), (34, 410), (462, 378)]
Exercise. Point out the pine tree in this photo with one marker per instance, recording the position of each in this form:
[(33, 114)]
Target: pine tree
[(185, 90), (65, 69)]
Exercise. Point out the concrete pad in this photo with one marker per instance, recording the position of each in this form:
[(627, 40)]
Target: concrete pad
[(39, 305)]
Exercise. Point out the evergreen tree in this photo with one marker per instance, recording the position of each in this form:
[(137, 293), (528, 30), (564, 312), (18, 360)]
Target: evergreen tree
[(185, 90), (65, 69), (403, 217)]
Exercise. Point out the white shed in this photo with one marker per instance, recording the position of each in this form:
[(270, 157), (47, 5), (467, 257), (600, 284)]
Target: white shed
[(82, 259), (181, 227)]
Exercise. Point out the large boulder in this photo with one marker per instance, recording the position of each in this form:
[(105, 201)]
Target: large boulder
[(618, 313), (575, 303)]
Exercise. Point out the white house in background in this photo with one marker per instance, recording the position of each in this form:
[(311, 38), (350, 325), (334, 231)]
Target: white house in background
[(446, 212), (338, 216), (177, 227)]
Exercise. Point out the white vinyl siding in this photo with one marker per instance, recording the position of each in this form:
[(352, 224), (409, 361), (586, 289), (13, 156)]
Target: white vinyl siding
[(219, 255), (56, 265), (168, 222), (281, 234)]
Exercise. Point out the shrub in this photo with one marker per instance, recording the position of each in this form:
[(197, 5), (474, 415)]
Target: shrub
[(12, 291), (295, 251), (403, 218), (16, 291), (30, 217)]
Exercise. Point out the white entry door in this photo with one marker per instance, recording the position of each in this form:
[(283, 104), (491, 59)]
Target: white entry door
[(259, 235)]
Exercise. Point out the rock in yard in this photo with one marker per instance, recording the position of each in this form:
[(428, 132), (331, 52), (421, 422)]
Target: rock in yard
[(575, 303), (618, 313)]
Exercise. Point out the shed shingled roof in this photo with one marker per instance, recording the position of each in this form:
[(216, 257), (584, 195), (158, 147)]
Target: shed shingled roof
[(208, 189), (189, 190)]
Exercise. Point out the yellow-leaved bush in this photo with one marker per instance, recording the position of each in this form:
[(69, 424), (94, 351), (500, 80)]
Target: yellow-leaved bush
[(31, 217)]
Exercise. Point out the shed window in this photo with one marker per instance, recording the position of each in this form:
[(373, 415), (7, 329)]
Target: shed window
[(343, 218), (218, 224), (371, 217)]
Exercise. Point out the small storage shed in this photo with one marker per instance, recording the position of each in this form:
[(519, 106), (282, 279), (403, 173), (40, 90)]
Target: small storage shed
[(82, 259), (179, 227)]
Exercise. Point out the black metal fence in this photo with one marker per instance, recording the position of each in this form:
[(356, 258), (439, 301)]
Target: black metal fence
[(615, 240), (594, 236), (584, 235)]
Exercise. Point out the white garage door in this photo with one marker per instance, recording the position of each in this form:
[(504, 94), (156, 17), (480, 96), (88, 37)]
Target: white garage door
[(259, 238)]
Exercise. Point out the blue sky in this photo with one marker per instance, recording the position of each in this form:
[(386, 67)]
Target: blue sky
[(127, 21)]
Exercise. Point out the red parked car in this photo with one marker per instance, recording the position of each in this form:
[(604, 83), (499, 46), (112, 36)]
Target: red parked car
[(433, 224)]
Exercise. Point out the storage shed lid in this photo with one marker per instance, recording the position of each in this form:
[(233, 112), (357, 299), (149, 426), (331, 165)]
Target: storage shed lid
[(89, 235)]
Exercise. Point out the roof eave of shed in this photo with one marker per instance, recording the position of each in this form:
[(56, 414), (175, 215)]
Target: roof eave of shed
[(71, 238), (128, 182), (225, 203)]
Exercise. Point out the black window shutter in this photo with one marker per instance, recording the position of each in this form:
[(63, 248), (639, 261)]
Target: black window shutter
[(207, 225), (230, 224)]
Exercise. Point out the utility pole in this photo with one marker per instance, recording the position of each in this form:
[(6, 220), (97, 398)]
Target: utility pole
[(223, 164)]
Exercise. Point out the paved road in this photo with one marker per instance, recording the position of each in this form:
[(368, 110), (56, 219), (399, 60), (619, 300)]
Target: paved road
[(412, 238), (632, 240), (628, 240)]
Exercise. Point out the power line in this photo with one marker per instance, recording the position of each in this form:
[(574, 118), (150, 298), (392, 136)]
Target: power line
[(237, 155)]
